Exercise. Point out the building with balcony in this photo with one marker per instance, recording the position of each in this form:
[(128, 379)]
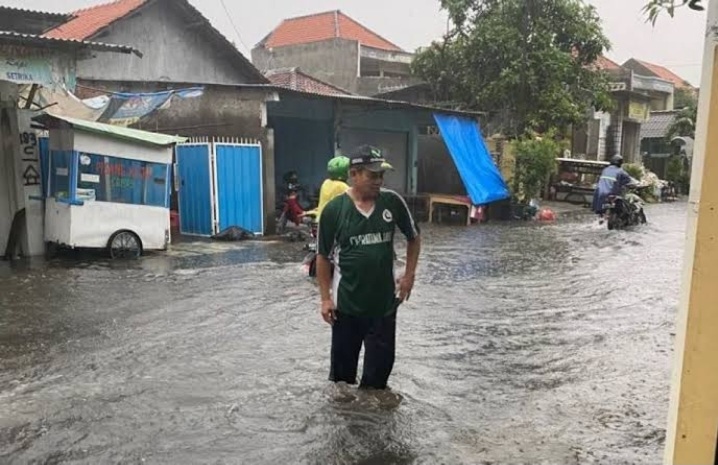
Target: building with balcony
[(635, 96), (643, 68), (338, 50)]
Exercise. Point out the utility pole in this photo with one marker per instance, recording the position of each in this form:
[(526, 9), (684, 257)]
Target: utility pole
[(693, 417)]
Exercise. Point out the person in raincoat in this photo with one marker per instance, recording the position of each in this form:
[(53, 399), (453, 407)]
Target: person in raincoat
[(612, 181), (334, 185)]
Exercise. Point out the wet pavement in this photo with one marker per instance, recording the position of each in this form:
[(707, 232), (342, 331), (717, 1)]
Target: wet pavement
[(521, 344)]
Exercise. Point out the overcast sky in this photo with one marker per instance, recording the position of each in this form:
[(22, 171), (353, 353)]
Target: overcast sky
[(676, 44)]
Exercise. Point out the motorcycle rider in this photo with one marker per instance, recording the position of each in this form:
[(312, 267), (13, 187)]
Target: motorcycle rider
[(334, 185), (611, 182)]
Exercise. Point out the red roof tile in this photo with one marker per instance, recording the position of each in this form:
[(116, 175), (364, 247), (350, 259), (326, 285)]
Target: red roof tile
[(666, 74), (89, 21), (606, 64), (294, 79), (324, 26)]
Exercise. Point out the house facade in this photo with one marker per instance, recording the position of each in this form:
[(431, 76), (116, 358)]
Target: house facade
[(644, 68), (336, 49), (619, 131), (178, 44), (28, 63), (182, 50), (656, 149)]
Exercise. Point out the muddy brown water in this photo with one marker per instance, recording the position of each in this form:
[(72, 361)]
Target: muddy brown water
[(521, 344)]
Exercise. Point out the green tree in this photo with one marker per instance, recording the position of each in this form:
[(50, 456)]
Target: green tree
[(527, 60), (535, 163), (683, 98), (684, 124)]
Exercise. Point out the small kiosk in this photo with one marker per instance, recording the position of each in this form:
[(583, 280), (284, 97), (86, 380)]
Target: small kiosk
[(575, 181), (108, 187)]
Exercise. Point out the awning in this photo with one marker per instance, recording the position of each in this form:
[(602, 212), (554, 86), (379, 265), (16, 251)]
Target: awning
[(116, 132), (480, 175)]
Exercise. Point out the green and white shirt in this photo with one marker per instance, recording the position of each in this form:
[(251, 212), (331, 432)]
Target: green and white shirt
[(362, 248)]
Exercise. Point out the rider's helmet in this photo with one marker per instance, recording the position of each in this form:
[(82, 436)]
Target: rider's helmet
[(290, 177), (338, 168), (617, 160)]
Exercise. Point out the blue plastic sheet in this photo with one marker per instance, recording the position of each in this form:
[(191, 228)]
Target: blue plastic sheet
[(478, 171)]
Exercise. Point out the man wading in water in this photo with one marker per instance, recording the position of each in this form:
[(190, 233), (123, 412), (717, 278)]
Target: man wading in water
[(360, 299)]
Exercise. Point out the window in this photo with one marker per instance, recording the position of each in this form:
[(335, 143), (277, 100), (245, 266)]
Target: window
[(60, 174), (118, 180)]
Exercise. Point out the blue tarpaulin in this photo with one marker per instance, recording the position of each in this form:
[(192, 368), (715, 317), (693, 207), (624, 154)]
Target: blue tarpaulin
[(481, 177)]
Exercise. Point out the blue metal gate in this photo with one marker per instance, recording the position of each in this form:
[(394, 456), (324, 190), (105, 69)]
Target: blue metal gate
[(219, 186), (195, 189), (239, 186)]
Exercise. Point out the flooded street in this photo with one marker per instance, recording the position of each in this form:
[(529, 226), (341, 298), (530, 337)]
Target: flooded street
[(521, 344)]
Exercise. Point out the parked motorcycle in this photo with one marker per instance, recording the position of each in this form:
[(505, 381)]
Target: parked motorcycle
[(624, 211), (309, 264)]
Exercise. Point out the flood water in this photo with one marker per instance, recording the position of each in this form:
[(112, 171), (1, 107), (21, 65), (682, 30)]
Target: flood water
[(521, 344)]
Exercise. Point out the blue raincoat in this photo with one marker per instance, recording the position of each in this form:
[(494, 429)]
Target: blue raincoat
[(612, 181)]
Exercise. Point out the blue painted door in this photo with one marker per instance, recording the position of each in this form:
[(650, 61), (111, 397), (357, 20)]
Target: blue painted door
[(239, 187), (195, 189)]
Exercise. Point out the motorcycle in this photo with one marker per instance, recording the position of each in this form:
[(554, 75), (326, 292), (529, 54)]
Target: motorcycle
[(309, 264), (624, 211)]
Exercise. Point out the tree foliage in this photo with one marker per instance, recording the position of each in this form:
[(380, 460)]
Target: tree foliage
[(654, 8), (685, 123), (530, 60), (683, 98), (535, 163)]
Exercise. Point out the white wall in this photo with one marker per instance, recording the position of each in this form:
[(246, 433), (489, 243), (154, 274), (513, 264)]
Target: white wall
[(101, 145)]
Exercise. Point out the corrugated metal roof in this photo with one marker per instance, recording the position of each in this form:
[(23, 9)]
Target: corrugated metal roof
[(28, 39), (117, 132), (35, 12), (658, 124), (29, 21), (325, 26), (359, 99)]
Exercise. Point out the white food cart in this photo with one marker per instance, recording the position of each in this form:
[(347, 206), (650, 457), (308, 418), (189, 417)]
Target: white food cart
[(108, 187)]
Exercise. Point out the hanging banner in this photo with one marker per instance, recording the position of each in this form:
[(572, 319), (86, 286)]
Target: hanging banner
[(125, 109)]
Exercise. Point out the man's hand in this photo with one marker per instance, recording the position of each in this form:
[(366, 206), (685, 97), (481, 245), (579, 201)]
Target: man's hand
[(406, 284), (328, 311)]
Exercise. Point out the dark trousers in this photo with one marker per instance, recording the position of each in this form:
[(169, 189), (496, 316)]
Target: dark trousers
[(378, 334)]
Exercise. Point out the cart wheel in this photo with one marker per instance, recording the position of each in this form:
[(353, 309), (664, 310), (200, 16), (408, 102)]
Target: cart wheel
[(124, 244)]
